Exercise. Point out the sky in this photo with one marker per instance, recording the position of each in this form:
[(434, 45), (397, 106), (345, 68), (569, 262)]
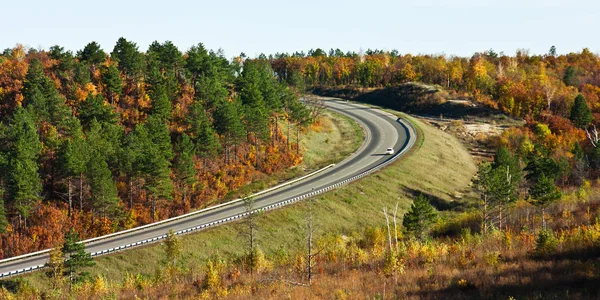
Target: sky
[(459, 27)]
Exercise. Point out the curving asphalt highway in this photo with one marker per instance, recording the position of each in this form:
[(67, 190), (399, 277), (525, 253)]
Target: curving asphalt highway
[(382, 130)]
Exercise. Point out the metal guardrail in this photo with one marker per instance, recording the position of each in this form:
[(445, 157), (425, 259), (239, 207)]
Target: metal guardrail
[(409, 144)]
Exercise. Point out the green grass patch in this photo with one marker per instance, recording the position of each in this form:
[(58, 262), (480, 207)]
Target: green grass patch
[(439, 167), (335, 139), (342, 137)]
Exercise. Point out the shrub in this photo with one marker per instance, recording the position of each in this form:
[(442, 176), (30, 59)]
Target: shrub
[(545, 243), (340, 295), (493, 259), (374, 240), (393, 264), (333, 247), (5, 294), (356, 256), (212, 279)]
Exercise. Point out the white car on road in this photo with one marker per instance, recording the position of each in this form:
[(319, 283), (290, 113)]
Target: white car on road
[(389, 151)]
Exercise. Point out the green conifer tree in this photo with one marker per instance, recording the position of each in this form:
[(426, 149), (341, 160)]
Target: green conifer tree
[(229, 125), (92, 54), (544, 192), (184, 165), (105, 201), (157, 160), (419, 217), (94, 108), (130, 60), (202, 132), (111, 78), (72, 159), (75, 258), (161, 106), (570, 76), (22, 177), (581, 115)]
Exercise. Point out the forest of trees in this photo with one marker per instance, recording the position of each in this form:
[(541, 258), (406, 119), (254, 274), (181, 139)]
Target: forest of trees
[(557, 95), (524, 85), (98, 142)]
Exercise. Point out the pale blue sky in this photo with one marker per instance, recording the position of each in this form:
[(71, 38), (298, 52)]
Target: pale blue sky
[(459, 27)]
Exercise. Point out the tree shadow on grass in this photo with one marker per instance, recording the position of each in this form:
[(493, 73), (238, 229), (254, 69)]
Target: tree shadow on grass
[(437, 202), (11, 284), (416, 99), (564, 281)]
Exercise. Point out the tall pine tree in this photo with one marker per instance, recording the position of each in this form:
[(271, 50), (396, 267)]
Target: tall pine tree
[(111, 78), (105, 201), (169, 61), (130, 60), (229, 125), (419, 217), (202, 132), (581, 115), (41, 96), (92, 54), (24, 147), (157, 160), (75, 258), (72, 160), (131, 156), (94, 107), (161, 106), (185, 173), (103, 143), (544, 192)]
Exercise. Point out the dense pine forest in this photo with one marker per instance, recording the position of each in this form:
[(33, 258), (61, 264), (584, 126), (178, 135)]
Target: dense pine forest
[(98, 142)]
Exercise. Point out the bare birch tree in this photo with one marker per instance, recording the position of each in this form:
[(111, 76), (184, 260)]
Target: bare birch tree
[(311, 252), (592, 135), (249, 233)]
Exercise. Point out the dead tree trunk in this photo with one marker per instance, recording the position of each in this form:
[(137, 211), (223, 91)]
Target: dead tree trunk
[(288, 134), (298, 140), (484, 215), (70, 193), (250, 232), (387, 222), (153, 200), (130, 193), (396, 229), (543, 217), (81, 192), (310, 255), (593, 138)]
